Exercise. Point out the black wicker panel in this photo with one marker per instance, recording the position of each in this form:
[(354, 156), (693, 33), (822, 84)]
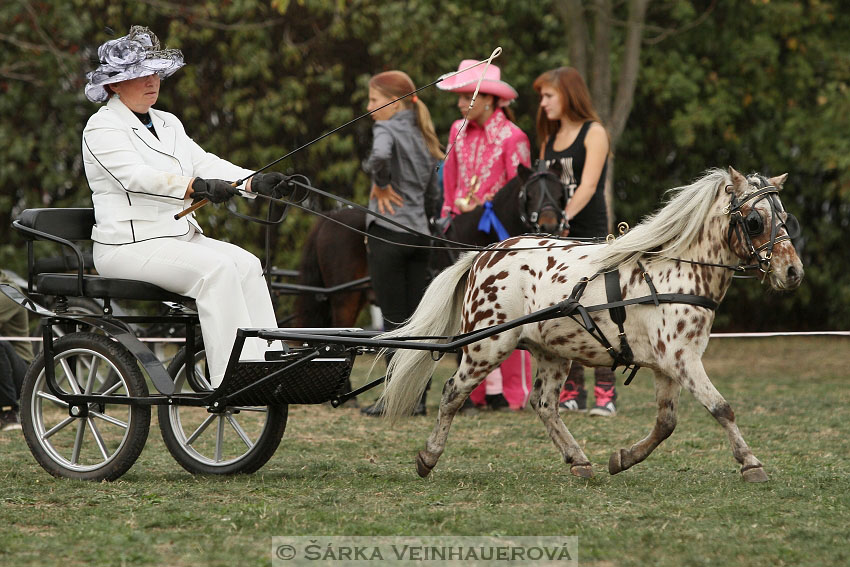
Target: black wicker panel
[(313, 382)]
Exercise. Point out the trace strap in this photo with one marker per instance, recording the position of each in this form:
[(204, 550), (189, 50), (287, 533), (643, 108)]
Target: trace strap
[(490, 222)]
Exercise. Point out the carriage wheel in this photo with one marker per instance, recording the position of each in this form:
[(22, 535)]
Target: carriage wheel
[(102, 445), (240, 440)]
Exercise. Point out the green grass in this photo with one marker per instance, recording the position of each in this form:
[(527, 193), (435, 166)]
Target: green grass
[(337, 473)]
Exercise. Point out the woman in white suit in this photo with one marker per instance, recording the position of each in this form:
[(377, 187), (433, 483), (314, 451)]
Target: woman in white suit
[(143, 169)]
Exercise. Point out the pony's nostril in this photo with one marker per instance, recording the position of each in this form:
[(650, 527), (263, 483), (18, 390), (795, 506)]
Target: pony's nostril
[(793, 274)]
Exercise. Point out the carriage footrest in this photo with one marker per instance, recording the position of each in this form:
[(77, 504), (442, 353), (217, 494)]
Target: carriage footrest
[(312, 382)]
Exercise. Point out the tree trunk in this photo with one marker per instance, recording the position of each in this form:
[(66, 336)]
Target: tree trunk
[(572, 14), (629, 71), (600, 80)]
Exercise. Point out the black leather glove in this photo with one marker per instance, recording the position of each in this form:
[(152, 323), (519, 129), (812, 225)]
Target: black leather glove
[(214, 190), (273, 184)]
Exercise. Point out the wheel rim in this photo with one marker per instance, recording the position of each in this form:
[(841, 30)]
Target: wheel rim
[(63, 438), (216, 440)]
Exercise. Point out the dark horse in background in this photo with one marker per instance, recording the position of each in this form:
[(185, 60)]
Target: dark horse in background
[(333, 254)]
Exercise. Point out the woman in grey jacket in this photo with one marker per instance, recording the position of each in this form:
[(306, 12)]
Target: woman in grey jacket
[(402, 163), (143, 169)]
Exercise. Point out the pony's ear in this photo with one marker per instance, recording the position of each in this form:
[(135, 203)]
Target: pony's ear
[(778, 181), (523, 171), (556, 167), (739, 182)]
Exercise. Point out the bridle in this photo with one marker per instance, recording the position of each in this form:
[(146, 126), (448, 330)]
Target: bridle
[(752, 225), (530, 215)]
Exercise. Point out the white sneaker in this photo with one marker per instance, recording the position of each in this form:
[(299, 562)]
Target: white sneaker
[(9, 420), (608, 410), (569, 405)]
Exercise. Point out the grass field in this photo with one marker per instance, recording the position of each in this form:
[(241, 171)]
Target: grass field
[(337, 473)]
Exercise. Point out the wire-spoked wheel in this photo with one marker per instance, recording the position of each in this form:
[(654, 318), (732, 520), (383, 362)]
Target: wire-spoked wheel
[(103, 444), (239, 440)]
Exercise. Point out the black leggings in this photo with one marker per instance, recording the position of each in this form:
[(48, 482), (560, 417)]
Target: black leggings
[(12, 371), (399, 274)]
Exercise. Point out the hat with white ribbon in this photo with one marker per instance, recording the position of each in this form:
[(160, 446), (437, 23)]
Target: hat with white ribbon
[(137, 54)]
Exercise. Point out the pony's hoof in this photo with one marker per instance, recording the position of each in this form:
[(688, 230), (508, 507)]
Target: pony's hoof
[(755, 474), (615, 463), (583, 471), (422, 469)]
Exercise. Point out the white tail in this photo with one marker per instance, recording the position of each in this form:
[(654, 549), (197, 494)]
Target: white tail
[(438, 314)]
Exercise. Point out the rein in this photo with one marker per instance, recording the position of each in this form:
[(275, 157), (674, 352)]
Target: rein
[(736, 221), (450, 244)]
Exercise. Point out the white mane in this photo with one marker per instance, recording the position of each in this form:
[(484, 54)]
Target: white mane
[(670, 231)]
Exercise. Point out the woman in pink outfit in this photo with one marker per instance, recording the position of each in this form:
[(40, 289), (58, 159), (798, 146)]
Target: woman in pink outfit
[(483, 157)]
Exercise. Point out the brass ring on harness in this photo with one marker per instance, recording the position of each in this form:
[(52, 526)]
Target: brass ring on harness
[(623, 228), (610, 238)]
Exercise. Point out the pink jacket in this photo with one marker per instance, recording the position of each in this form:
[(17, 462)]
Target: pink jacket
[(491, 153)]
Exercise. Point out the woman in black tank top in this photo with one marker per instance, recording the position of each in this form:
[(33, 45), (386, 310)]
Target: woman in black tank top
[(592, 219), (570, 131)]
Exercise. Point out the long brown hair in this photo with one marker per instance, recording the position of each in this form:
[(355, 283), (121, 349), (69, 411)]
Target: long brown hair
[(575, 99), (394, 84)]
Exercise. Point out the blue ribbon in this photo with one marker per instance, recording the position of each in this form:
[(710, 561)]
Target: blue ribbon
[(489, 222)]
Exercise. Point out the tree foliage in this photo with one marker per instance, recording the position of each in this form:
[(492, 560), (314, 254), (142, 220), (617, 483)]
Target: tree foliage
[(761, 85)]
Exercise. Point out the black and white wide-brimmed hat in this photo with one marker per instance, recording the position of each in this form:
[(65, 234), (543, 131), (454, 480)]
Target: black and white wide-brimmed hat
[(137, 54)]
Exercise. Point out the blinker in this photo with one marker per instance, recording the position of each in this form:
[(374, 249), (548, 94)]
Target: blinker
[(754, 223), (792, 226)]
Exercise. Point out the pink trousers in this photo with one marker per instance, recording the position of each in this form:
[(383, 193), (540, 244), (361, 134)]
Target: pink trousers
[(515, 376)]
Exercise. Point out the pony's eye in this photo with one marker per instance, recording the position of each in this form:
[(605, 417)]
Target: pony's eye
[(754, 223)]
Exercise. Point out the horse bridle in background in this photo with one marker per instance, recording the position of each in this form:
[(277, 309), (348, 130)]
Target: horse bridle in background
[(544, 200), (751, 225)]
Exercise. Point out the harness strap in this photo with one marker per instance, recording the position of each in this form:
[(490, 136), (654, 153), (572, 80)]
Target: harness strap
[(651, 285), (612, 290), (686, 298), (618, 315)]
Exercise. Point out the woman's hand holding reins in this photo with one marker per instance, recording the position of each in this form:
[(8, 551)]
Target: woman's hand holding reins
[(386, 197), (273, 184), (213, 190)]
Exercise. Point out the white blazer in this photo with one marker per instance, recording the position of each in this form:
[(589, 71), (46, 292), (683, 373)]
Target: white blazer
[(138, 181)]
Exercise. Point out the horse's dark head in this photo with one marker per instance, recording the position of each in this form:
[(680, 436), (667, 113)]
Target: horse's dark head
[(542, 199)]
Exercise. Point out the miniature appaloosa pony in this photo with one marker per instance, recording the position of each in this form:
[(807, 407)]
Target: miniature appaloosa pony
[(673, 268)]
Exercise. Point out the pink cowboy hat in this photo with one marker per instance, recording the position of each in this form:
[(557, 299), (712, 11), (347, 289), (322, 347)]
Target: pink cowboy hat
[(492, 84)]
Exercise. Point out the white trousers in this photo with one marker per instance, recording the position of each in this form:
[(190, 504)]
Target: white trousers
[(226, 282)]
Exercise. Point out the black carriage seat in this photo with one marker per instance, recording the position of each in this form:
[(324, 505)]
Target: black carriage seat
[(66, 227)]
